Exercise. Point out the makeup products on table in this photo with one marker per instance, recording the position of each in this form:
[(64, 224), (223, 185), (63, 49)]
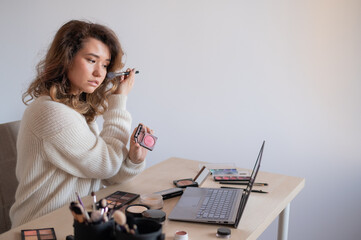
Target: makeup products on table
[(155, 214), (87, 217), (121, 220), (171, 192), (136, 210), (242, 183), (119, 199), (138, 229), (38, 234), (94, 200), (193, 182), (180, 235), (78, 212), (186, 182), (231, 178), (224, 171), (201, 175), (154, 201), (223, 232), (112, 75), (145, 139), (227, 172)]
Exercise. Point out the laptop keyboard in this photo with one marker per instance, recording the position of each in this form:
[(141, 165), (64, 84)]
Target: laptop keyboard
[(217, 204)]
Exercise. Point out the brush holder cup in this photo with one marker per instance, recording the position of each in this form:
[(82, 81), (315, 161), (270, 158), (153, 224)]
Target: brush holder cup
[(147, 229), (103, 231)]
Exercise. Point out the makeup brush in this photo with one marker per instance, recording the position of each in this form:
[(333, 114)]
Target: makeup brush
[(73, 211), (132, 226), (94, 201), (121, 220), (77, 211), (112, 75), (103, 204), (85, 211), (96, 217)]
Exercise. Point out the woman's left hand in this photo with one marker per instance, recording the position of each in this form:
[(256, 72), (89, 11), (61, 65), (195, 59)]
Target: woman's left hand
[(138, 153)]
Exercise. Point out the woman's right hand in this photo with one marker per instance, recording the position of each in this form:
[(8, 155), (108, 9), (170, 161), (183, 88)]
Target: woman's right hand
[(138, 153), (126, 83)]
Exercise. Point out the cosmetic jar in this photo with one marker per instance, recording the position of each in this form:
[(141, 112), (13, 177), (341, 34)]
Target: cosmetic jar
[(154, 214), (181, 235), (223, 233), (153, 200), (136, 210)]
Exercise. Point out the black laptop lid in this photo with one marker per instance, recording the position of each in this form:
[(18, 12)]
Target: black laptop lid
[(247, 191)]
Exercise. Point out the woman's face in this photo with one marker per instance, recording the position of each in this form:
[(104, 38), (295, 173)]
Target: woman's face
[(89, 67)]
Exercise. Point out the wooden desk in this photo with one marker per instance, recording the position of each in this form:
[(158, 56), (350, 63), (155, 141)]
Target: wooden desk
[(260, 210)]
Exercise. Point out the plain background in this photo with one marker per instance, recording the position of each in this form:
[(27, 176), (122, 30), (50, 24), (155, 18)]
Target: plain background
[(219, 77)]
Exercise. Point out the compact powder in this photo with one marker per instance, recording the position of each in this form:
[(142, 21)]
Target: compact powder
[(155, 214), (144, 139), (153, 200), (184, 182), (137, 209), (149, 141)]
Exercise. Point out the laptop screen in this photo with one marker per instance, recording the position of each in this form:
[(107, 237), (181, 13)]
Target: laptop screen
[(247, 191)]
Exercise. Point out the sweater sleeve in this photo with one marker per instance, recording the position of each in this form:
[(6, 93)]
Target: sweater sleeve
[(74, 147), (127, 171)]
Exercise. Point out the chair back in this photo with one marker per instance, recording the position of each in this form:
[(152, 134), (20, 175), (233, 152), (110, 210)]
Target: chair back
[(8, 182)]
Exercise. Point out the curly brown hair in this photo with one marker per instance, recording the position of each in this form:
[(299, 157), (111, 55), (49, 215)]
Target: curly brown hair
[(52, 80)]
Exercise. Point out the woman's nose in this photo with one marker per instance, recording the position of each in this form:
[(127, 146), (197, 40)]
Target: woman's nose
[(98, 72)]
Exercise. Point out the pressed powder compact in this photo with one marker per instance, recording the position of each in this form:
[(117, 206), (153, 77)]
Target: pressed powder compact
[(144, 139), (193, 182), (186, 182), (136, 210), (155, 214), (153, 200)]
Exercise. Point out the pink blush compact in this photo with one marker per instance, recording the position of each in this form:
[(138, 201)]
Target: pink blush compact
[(144, 139)]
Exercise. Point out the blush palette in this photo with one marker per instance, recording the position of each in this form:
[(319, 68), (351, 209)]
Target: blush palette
[(144, 139), (38, 234)]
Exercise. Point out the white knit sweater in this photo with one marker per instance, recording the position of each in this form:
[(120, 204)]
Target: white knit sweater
[(59, 154)]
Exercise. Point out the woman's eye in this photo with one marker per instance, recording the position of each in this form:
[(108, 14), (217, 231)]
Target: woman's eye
[(91, 60)]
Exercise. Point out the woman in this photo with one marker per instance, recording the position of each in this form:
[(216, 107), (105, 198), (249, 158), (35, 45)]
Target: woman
[(60, 151)]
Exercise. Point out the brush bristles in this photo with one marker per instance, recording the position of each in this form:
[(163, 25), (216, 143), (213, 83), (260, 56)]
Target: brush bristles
[(120, 218)]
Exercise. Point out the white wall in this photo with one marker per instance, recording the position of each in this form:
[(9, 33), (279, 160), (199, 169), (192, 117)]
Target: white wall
[(218, 77)]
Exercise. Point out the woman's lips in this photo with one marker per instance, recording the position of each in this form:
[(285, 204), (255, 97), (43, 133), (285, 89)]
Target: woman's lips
[(94, 83)]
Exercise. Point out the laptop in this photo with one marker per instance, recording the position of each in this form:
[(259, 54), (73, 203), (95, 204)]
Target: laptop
[(215, 205)]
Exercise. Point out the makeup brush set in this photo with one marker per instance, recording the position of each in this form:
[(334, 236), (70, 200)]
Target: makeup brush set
[(112, 223)]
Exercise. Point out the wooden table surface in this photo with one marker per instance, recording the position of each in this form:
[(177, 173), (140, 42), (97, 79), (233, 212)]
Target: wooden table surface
[(259, 213)]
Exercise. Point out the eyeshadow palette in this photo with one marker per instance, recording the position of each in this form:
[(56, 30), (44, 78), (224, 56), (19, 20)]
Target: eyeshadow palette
[(38, 234), (224, 171), (119, 199), (231, 178)]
